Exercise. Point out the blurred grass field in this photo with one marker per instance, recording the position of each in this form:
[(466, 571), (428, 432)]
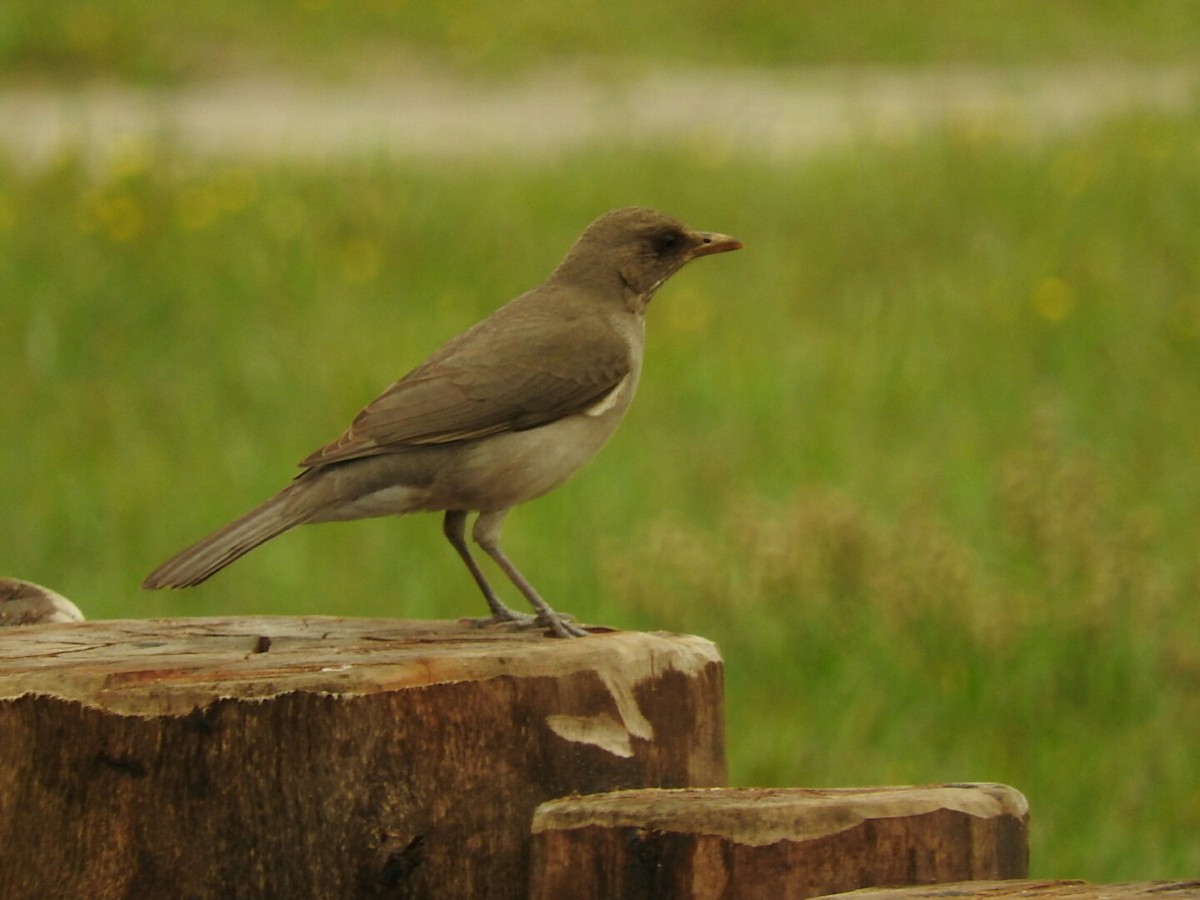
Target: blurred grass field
[(150, 42), (924, 458)]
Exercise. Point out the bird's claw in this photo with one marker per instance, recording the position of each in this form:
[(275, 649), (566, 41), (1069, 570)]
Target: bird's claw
[(561, 624)]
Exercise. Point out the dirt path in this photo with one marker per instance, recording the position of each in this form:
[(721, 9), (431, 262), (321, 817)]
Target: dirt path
[(767, 113)]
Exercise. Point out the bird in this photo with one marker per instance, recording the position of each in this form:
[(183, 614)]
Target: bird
[(26, 603), (504, 412)]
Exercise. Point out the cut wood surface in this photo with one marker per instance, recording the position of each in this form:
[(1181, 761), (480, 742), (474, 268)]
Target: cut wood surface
[(325, 757), (775, 843), (1035, 890)]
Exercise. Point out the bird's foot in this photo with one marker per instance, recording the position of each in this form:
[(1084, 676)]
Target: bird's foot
[(562, 625), (508, 619)]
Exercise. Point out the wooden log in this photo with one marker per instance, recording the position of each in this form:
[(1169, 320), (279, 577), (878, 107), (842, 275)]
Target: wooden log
[(324, 757), (1035, 890), (737, 844)]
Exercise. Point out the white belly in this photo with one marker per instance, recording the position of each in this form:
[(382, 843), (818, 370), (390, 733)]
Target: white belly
[(506, 469)]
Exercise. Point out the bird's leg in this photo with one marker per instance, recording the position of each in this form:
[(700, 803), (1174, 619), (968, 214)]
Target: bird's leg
[(454, 526), (487, 535)]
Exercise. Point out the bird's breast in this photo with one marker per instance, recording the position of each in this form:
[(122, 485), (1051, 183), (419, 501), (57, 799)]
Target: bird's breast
[(506, 469)]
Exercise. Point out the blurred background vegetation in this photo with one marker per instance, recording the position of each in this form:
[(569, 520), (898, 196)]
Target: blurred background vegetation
[(924, 458), (145, 41)]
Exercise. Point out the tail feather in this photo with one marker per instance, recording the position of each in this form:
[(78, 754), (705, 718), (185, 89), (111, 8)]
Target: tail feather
[(290, 507)]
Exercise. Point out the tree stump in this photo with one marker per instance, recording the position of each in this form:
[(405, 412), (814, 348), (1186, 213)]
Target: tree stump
[(325, 757), (737, 844), (1035, 890)]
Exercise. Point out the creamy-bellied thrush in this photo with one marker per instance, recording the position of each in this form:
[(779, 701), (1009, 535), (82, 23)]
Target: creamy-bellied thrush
[(500, 414)]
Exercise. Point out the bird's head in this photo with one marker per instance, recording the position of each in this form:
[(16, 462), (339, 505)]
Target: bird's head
[(638, 249)]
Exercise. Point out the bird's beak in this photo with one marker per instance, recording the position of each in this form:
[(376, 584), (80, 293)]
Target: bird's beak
[(711, 242)]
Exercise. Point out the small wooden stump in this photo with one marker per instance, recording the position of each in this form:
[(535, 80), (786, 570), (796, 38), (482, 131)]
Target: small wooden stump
[(324, 757), (1035, 890), (737, 844)]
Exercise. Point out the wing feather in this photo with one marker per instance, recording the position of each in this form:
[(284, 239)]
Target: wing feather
[(521, 368)]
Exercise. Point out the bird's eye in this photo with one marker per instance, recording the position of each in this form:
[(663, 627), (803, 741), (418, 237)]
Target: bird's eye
[(667, 242)]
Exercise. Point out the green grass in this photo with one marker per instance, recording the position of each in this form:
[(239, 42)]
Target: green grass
[(144, 41), (922, 458)]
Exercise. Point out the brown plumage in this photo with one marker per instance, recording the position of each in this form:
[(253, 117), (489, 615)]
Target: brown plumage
[(500, 414)]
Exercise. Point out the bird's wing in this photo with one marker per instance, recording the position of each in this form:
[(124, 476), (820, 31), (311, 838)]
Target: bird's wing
[(512, 376)]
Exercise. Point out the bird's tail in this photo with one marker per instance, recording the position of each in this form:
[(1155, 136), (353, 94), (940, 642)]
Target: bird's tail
[(290, 507)]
